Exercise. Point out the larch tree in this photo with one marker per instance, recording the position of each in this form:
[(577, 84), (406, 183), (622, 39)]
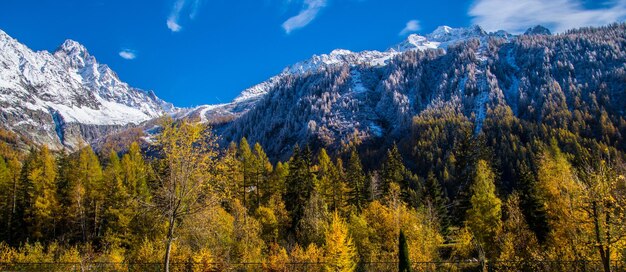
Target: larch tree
[(262, 170), (43, 205), (560, 192), (90, 177), (118, 212), (187, 156), (340, 252), (484, 216), (604, 205), (247, 163)]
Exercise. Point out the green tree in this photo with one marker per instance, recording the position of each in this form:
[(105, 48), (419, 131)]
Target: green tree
[(136, 173), (247, 163), (299, 184), (262, 169), (118, 213), (404, 263), (434, 196), (484, 218), (358, 193), (393, 170)]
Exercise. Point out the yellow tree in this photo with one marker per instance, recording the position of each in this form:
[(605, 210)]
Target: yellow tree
[(560, 192), (41, 188), (604, 205), (340, 251), (188, 153)]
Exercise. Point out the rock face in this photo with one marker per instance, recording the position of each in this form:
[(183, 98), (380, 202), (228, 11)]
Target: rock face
[(538, 30), (66, 99)]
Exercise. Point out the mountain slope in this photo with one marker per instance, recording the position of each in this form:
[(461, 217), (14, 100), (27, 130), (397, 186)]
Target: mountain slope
[(66, 99), (441, 38), (550, 80)]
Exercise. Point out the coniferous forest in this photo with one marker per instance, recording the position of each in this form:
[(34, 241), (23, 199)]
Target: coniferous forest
[(196, 205)]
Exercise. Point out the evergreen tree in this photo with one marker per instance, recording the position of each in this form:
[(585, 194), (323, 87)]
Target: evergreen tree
[(435, 197), (531, 205), (404, 263), (358, 194), (299, 184), (392, 170)]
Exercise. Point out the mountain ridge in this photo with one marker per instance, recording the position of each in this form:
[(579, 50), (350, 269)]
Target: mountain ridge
[(66, 99)]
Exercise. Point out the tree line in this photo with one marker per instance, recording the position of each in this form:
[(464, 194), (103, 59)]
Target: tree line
[(184, 199)]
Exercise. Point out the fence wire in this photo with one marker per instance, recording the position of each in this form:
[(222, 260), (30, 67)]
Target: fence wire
[(451, 266)]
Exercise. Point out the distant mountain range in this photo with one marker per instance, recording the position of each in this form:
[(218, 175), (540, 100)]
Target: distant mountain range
[(67, 98)]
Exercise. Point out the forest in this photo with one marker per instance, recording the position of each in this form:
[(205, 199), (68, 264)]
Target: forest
[(494, 155), (187, 204)]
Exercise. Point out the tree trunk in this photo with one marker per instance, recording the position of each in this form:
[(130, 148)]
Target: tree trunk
[(168, 247)]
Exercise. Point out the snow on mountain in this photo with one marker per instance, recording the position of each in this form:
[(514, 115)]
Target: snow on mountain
[(66, 98), (442, 37)]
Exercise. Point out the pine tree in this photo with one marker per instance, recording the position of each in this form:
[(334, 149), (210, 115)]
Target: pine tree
[(299, 184), (531, 205), (392, 170), (229, 175), (484, 217), (358, 193), (435, 196), (404, 263)]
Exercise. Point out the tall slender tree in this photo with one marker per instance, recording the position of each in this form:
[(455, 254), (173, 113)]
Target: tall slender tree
[(358, 194), (188, 153)]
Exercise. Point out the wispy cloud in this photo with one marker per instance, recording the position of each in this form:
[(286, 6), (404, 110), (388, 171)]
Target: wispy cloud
[(559, 15), (308, 13), (411, 26), (128, 54), (173, 20)]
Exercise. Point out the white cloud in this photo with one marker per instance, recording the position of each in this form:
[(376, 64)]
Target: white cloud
[(178, 7), (308, 13), (558, 15), (128, 54), (411, 26)]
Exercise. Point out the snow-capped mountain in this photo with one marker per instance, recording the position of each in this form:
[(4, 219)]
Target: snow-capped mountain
[(441, 38), (376, 96), (66, 99)]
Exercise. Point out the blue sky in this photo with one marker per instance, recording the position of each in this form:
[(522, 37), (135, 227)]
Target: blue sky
[(193, 52)]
